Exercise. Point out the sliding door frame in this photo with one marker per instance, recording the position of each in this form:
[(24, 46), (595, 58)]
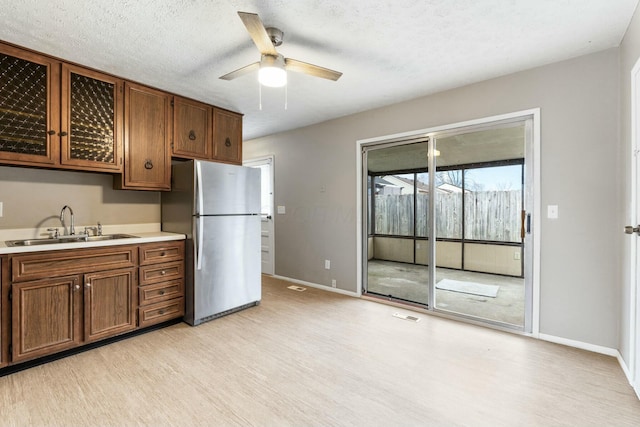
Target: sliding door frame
[(532, 195)]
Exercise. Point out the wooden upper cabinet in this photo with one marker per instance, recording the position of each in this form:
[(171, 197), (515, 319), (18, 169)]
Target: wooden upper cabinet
[(91, 129), (147, 133), (192, 134), (227, 136), (29, 108)]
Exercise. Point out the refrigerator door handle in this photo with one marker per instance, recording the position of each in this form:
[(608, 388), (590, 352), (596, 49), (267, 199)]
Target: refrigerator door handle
[(199, 206), (199, 237)]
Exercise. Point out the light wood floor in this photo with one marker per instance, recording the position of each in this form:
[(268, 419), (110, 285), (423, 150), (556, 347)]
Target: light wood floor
[(315, 358)]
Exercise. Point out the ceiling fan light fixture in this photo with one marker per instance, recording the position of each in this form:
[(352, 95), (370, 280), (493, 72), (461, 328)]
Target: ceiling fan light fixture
[(272, 72)]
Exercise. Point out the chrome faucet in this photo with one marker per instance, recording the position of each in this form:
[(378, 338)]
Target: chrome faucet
[(72, 228)]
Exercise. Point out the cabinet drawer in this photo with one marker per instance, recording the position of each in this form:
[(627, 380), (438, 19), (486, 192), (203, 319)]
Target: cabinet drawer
[(161, 252), (161, 272), (61, 263), (160, 312), (163, 291)]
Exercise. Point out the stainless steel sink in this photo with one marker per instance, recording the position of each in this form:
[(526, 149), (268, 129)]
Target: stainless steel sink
[(67, 239)]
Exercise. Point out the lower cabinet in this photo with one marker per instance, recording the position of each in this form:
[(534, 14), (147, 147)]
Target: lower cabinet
[(80, 297), (161, 284), (110, 302), (46, 317), (5, 312)]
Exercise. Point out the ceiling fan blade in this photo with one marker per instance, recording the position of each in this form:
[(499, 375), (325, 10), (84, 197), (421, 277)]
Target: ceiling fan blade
[(241, 71), (258, 33), (310, 69)]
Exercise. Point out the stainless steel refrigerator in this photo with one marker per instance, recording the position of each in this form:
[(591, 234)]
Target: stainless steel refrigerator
[(217, 207)]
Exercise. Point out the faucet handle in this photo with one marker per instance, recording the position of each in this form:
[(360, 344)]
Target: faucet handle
[(99, 229), (55, 232)]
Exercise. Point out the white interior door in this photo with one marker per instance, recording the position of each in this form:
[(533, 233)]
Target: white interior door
[(266, 196)]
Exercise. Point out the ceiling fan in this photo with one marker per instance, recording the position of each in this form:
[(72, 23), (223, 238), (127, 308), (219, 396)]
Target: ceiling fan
[(272, 67)]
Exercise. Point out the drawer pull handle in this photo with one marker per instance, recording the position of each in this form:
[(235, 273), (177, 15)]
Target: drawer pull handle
[(162, 254), (160, 311), (76, 287), (88, 285), (161, 292), (163, 272)]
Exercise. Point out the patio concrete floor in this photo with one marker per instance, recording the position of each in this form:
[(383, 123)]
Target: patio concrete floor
[(410, 283)]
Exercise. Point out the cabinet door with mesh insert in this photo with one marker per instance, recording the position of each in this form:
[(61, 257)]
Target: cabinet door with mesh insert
[(91, 120), (29, 116)]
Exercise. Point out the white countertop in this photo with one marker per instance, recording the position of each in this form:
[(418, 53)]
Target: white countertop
[(145, 233)]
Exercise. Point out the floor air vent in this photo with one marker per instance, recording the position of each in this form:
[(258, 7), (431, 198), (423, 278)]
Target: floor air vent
[(297, 288), (406, 317)]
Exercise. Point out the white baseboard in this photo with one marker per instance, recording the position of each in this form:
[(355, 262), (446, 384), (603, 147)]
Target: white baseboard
[(317, 286), (624, 367), (582, 345)]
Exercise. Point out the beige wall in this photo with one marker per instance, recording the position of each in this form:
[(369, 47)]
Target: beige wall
[(33, 198), (579, 104), (629, 55), (496, 259), (492, 259), (393, 249)]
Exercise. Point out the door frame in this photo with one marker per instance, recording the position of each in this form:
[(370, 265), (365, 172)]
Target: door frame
[(634, 292), (258, 161), (533, 163)]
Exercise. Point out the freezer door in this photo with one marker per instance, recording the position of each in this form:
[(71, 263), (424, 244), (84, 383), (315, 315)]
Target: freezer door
[(226, 264), (227, 189)]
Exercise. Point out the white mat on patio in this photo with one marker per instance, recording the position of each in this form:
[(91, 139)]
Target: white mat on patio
[(468, 288)]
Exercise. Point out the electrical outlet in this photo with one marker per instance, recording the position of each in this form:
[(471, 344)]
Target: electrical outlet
[(327, 264), (516, 255), (333, 283)]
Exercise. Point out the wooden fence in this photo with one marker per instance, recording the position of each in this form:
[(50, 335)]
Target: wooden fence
[(488, 215)]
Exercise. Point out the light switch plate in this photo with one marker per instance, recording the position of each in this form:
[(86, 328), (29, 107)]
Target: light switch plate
[(281, 210), (552, 211)]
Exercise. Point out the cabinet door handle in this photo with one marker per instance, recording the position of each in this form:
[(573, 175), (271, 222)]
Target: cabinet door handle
[(88, 285), (76, 287), (227, 142), (52, 132), (63, 133), (148, 164), (192, 135)]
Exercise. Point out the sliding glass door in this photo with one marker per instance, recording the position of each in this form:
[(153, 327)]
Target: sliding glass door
[(452, 240), (397, 199), (479, 270)]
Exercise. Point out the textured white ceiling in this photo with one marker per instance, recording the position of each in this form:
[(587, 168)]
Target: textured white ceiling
[(388, 50)]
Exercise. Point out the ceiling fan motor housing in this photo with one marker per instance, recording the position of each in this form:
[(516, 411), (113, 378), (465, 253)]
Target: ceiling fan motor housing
[(275, 35)]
